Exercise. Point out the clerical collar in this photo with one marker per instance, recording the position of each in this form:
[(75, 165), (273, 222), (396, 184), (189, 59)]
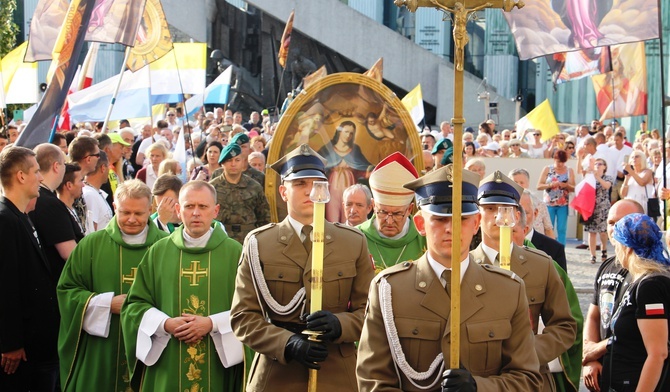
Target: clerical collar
[(403, 232), (135, 239), (439, 268), (200, 242), (493, 253)]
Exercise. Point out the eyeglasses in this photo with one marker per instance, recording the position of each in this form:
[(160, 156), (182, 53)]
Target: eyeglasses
[(599, 164), (569, 147), (170, 115), (396, 216), (97, 154), (537, 134)]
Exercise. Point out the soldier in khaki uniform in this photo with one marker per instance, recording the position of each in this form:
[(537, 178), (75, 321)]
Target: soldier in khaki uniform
[(544, 289), (243, 205), (272, 294), (409, 306)]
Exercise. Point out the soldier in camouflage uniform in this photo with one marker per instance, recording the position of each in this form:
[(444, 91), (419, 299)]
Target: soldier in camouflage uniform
[(243, 206), (242, 140)]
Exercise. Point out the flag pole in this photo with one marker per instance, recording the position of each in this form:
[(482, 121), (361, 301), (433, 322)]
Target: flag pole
[(116, 91), (286, 34), (663, 119), (54, 128), (183, 102), (281, 83)]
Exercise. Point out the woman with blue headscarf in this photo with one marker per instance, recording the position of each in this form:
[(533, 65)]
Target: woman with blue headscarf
[(637, 352)]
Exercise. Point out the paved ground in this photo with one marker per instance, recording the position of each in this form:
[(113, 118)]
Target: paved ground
[(582, 274)]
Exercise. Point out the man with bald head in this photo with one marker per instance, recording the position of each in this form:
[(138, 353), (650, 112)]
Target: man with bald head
[(52, 218), (177, 313), (609, 285)]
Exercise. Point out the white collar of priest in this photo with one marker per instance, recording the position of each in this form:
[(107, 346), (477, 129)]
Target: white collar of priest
[(439, 268), (135, 239), (199, 242)]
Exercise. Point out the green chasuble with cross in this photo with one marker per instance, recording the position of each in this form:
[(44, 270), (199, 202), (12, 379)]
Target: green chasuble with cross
[(175, 279), (101, 263), (388, 252)]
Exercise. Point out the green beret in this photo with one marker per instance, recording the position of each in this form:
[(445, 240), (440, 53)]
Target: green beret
[(448, 156), (240, 138), (231, 150), (441, 145)]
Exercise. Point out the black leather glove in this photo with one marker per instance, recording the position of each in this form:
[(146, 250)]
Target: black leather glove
[(460, 380), (305, 351), (326, 322)]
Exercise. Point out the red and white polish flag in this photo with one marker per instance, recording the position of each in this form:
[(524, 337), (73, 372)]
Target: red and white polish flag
[(654, 309)]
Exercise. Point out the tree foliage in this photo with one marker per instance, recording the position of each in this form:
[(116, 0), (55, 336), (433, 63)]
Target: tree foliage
[(8, 29)]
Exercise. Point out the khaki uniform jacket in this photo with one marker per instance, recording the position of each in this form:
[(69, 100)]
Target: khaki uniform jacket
[(496, 341), (347, 273), (546, 298)]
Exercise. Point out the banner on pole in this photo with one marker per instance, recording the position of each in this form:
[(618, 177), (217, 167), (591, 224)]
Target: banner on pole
[(544, 27)]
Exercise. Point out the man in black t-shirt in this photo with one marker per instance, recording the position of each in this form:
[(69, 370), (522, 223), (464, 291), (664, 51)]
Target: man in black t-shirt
[(51, 217), (610, 283)]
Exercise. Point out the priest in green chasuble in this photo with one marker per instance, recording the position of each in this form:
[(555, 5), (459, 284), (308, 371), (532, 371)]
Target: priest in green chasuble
[(391, 234), (92, 288), (176, 319)]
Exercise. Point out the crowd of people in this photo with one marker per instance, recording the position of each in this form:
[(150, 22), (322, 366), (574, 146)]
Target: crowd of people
[(125, 271)]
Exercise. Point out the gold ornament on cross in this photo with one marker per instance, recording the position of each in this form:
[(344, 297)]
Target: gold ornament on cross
[(194, 273), (130, 278)]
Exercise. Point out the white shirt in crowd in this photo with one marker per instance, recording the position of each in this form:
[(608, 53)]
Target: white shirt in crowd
[(98, 212)]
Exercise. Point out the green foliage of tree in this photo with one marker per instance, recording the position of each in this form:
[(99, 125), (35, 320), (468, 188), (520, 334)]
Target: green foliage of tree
[(8, 29)]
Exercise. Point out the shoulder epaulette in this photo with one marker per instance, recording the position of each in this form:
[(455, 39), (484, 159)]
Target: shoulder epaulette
[(537, 252), (404, 266), (215, 180), (504, 272), (352, 229), (262, 228)]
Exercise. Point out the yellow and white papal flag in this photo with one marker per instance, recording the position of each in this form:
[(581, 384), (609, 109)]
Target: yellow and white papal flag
[(541, 118), (413, 102), (19, 79)]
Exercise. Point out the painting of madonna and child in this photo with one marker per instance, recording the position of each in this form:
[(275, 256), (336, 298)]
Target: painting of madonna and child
[(353, 127)]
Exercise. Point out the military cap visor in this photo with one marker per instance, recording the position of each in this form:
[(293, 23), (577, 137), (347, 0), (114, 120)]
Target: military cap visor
[(434, 192), (497, 188), (302, 162)]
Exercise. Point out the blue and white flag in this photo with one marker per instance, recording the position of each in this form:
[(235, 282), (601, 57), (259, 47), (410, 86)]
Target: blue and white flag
[(218, 92), (133, 100)]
